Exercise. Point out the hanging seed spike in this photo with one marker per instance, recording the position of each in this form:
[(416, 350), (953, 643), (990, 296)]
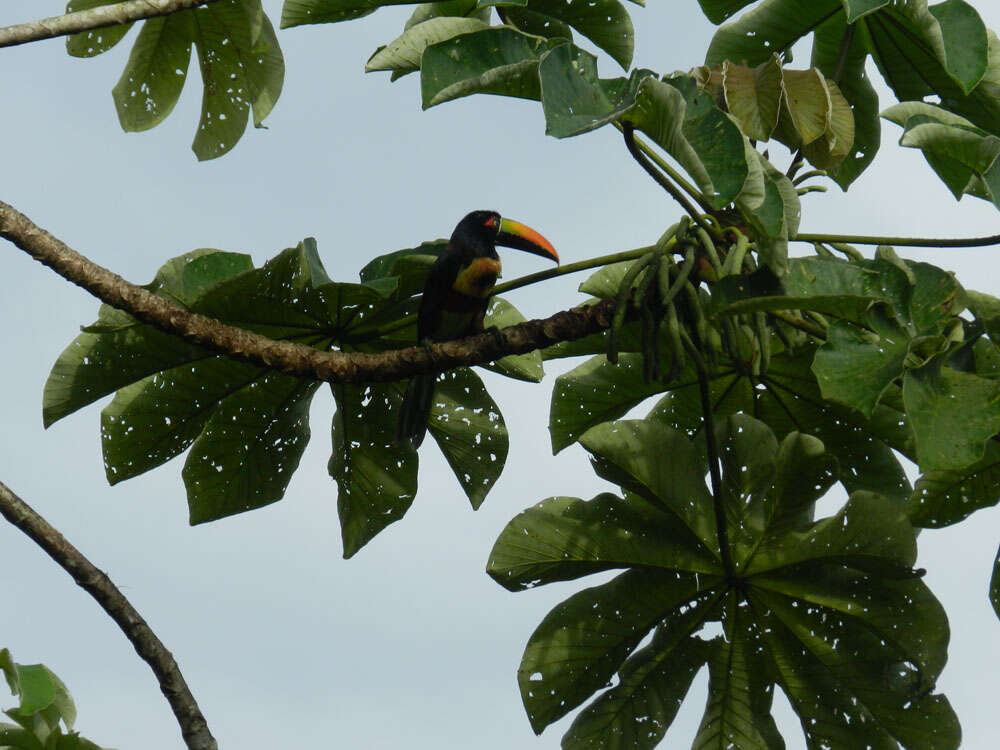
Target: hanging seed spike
[(852, 253), (677, 230), (782, 336), (821, 250), (730, 332), (690, 257), (694, 302), (808, 175), (621, 304), (713, 224), (676, 345), (734, 260), (710, 251), (649, 275), (763, 342), (648, 343)]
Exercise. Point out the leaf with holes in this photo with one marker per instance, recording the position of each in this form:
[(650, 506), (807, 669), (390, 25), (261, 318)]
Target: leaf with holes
[(96, 41), (467, 426), (814, 607), (376, 478), (247, 426), (941, 498), (501, 61), (241, 67)]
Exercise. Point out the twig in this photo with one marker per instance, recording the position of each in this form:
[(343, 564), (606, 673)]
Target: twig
[(285, 356), (628, 130), (95, 18), (898, 241), (193, 726)]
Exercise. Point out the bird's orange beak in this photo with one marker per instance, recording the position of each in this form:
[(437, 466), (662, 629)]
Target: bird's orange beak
[(520, 237)]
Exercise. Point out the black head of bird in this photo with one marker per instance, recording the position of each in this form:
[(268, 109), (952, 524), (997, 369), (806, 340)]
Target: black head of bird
[(456, 295), (481, 231)]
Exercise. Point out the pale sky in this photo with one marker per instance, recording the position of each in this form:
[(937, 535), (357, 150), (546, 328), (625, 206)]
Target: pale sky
[(408, 644)]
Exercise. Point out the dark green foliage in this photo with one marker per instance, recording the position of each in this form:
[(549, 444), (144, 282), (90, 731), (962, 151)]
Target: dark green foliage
[(240, 60), (46, 713), (246, 427), (816, 607), (816, 370)]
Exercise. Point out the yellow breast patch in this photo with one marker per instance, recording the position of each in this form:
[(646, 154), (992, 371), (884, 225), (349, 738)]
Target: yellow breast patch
[(477, 278)]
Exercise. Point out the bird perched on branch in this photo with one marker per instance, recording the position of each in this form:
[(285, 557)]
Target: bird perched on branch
[(455, 297)]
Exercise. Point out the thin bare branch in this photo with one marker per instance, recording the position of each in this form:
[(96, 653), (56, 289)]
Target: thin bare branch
[(285, 356), (95, 18), (193, 726)]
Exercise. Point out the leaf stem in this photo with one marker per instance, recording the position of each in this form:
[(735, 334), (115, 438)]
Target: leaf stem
[(581, 265), (712, 449), (795, 322), (673, 173), (628, 130), (898, 241)]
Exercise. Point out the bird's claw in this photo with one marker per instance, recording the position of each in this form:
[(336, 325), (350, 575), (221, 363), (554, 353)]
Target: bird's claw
[(494, 331)]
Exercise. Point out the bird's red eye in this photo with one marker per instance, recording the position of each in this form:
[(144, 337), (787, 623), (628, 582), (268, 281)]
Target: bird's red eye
[(491, 222)]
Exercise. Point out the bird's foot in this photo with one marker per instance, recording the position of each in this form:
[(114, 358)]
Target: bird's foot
[(427, 344), (496, 334)]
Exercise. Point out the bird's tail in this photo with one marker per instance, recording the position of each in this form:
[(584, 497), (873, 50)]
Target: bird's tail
[(416, 409)]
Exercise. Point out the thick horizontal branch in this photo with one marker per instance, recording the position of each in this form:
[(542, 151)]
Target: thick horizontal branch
[(95, 18), (285, 356), (193, 726)]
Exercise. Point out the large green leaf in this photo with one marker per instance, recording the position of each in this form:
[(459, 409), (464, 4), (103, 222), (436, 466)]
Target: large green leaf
[(376, 477), (241, 67), (739, 694), (962, 155), (953, 415), (676, 114), (769, 27), (941, 498), (652, 684), (117, 350), (500, 61), (502, 314), (45, 713), (563, 538), (790, 401), (856, 88), (246, 453), (402, 55), (96, 41), (718, 11), (574, 99), (816, 607), (605, 22), (300, 12), (942, 50), (469, 429), (248, 425), (891, 316), (596, 391), (619, 454), (583, 641)]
